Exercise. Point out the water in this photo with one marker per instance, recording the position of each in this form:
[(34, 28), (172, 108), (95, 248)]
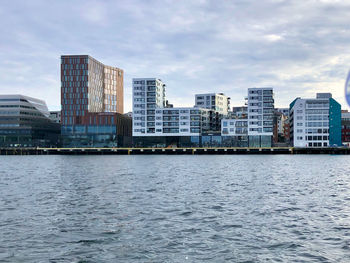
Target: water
[(207, 208)]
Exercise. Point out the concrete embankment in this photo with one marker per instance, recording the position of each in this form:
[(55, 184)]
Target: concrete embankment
[(197, 151)]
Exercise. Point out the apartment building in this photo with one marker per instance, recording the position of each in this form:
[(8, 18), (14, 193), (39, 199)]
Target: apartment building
[(315, 122), (213, 101), (156, 122), (148, 95), (260, 116)]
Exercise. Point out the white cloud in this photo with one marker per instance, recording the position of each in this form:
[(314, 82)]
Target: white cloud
[(298, 47), (273, 37)]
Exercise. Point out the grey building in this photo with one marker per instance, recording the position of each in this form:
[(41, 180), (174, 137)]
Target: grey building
[(25, 122)]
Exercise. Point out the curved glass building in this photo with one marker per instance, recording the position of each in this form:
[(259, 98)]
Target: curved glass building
[(25, 122)]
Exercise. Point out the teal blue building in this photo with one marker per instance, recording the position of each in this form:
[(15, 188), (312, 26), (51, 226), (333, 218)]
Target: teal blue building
[(315, 122)]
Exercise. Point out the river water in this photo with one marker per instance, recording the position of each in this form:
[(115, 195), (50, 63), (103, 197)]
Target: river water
[(158, 208)]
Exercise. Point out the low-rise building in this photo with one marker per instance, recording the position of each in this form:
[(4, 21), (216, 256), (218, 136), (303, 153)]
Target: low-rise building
[(105, 129)]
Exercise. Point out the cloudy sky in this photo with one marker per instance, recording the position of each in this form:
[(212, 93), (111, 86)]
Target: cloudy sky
[(297, 47)]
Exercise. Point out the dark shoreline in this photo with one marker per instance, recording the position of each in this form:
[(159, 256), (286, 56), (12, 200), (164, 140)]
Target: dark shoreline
[(171, 151)]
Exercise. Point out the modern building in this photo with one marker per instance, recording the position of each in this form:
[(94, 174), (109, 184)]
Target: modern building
[(55, 116), (104, 129), (148, 94), (260, 116), (172, 126), (345, 127), (213, 101), (25, 122), (252, 125), (156, 122), (92, 103), (315, 122)]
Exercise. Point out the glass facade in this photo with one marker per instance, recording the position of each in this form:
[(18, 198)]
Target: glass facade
[(25, 122), (92, 103), (190, 141)]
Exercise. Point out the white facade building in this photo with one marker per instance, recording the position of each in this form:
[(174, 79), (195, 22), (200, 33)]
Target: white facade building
[(260, 111), (148, 94), (214, 101), (175, 122), (310, 121), (152, 117), (260, 117), (258, 125)]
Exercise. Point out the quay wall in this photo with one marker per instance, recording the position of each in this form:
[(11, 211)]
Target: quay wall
[(174, 151)]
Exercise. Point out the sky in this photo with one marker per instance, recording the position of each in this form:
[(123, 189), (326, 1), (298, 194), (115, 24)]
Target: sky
[(199, 46)]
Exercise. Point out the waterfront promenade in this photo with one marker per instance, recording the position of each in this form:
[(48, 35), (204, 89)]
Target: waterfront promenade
[(173, 151)]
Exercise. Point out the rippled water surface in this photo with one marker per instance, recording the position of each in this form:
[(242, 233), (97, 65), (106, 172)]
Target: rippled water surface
[(256, 208)]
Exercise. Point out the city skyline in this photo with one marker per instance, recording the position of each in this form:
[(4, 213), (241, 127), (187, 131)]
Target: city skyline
[(198, 47)]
